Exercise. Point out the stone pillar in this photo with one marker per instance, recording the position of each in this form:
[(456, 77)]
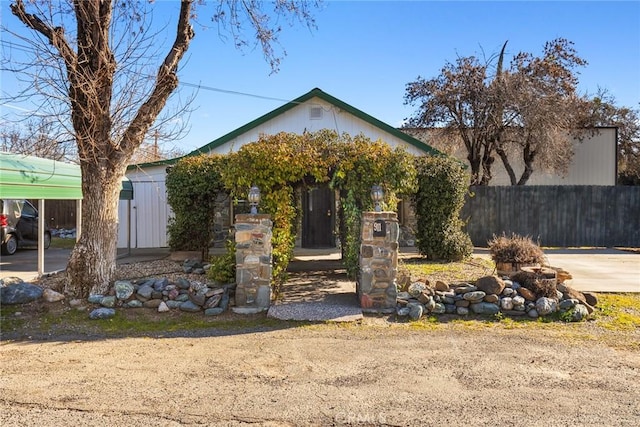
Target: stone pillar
[(376, 287), (253, 263)]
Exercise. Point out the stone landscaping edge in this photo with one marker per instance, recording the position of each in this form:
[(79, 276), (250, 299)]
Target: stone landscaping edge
[(489, 295)]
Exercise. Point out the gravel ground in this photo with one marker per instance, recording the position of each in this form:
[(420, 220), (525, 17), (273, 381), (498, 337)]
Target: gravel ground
[(373, 373)]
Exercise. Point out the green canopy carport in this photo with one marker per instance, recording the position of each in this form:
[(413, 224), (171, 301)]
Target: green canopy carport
[(30, 177)]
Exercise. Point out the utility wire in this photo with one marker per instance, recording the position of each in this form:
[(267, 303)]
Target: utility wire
[(182, 83)]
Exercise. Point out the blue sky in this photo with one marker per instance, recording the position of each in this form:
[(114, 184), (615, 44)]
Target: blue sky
[(365, 53)]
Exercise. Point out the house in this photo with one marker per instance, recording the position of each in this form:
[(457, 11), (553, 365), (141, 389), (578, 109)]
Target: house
[(594, 160), (148, 215)]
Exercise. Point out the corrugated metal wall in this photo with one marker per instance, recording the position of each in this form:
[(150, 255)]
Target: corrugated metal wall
[(562, 216)]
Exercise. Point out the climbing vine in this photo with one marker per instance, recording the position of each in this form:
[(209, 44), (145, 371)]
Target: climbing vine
[(282, 163)]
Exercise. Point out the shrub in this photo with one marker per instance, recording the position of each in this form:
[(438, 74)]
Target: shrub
[(223, 267), (438, 200), (515, 249), (193, 185)]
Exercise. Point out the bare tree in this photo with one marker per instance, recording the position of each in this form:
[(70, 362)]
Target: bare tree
[(528, 111), (36, 138), (154, 150), (459, 99), (90, 60), (540, 110)]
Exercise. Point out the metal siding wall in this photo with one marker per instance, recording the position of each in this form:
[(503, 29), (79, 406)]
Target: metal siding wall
[(150, 215), (562, 216), (123, 223)]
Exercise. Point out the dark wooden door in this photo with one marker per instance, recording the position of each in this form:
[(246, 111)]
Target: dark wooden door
[(318, 218)]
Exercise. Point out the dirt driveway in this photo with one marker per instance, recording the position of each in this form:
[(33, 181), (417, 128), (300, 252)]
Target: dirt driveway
[(374, 373)]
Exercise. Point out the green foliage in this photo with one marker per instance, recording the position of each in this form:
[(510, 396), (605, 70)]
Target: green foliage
[(223, 267), (193, 185), (438, 200), (278, 164), (362, 164), (515, 249)]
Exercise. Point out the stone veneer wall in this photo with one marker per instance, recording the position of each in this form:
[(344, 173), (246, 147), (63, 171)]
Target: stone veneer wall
[(376, 286), (253, 263)]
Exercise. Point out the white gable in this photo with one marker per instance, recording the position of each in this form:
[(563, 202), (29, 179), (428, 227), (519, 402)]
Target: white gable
[(313, 115)]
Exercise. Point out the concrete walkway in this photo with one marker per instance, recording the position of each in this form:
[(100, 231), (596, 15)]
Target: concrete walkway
[(317, 290)]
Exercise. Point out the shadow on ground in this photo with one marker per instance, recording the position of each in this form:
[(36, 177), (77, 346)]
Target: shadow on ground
[(317, 290)]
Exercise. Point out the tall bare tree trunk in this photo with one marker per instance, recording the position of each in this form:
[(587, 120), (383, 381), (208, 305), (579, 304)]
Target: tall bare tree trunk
[(93, 260)]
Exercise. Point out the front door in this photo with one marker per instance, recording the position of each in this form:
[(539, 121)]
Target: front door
[(318, 217)]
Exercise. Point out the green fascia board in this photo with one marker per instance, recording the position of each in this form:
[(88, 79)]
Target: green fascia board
[(30, 177), (314, 93)]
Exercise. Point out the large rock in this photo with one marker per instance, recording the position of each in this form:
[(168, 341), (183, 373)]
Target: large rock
[(492, 298), (591, 298), (527, 294), (485, 308), (416, 288), (7, 281), (49, 295), (416, 311), (102, 313), (545, 306), (506, 303), (19, 293), (439, 308), (569, 293), (124, 289), (108, 301), (190, 307), (441, 286), (490, 285), (475, 296), (160, 285), (578, 313), (145, 291)]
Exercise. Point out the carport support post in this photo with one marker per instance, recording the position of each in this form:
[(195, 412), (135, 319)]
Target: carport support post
[(253, 263), (376, 285), (41, 222)]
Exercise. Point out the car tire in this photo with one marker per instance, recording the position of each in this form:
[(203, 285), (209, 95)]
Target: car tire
[(10, 246), (47, 240)]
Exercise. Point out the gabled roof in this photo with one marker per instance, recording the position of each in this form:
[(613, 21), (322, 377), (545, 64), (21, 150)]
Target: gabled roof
[(314, 93)]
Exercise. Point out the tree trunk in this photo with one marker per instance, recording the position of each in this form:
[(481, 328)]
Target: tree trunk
[(507, 165), (93, 259), (475, 170), (528, 155)]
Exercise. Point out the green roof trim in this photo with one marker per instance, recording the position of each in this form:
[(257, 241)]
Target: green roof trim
[(30, 177), (317, 93), (314, 93)]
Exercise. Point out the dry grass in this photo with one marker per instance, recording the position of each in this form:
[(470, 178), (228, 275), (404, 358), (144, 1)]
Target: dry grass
[(449, 272)]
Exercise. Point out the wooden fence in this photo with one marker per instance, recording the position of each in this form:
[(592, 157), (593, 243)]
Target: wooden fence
[(562, 216), (59, 213)]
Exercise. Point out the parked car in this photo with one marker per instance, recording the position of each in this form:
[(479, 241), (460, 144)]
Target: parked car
[(19, 224)]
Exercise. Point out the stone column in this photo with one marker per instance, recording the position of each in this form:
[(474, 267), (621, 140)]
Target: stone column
[(253, 263), (376, 287)]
